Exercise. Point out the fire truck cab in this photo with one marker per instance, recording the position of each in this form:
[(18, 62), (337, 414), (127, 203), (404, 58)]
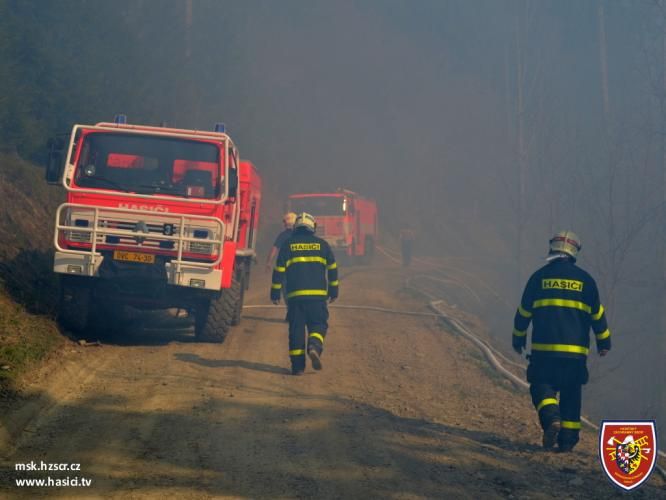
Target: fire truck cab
[(152, 220), (346, 220)]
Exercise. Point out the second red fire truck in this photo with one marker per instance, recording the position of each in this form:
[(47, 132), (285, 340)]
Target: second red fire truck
[(347, 220), (155, 218)]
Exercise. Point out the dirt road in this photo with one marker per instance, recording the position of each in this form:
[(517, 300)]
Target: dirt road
[(403, 409)]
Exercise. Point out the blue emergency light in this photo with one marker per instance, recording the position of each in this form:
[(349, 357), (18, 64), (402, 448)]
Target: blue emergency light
[(219, 127), (120, 119)]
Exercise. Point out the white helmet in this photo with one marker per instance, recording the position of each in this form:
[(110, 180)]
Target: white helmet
[(565, 242), (307, 221)]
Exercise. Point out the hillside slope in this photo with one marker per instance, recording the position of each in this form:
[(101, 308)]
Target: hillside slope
[(28, 287)]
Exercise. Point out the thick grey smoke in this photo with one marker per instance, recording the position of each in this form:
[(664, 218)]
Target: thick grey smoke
[(487, 124)]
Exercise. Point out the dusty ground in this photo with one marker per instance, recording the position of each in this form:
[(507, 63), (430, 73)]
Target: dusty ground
[(403, 409)]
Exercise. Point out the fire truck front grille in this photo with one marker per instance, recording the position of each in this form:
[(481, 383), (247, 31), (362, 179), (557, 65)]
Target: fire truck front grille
[(81, 228), (141, 236)]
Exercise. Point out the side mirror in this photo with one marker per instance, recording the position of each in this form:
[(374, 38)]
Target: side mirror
[(54, 161), (233, 182)]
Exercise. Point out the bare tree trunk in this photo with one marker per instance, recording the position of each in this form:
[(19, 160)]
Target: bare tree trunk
[(189, 109), (603, 61), (661, 397), (522, 153), (609, 266), (188, 29), (507, 96)]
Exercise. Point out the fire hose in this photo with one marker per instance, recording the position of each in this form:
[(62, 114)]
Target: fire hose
[(491, 354), (458, 327)]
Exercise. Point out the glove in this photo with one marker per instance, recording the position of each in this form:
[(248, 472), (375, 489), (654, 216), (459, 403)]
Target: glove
[(276, 301), (518, 349), (332, 299), (603, 352)]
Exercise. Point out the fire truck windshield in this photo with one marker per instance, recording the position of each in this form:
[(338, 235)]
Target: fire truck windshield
[(318, 205), (148, 164)]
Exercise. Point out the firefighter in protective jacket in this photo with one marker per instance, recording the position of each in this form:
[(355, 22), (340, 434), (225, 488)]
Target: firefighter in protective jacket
[(311, 274), (562, 303)]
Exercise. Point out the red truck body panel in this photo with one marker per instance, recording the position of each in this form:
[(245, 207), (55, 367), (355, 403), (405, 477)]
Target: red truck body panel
[(345, 219), (250, 205)]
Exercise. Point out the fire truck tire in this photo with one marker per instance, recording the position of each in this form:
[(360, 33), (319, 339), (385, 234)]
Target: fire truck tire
[(212, 318), (74, 305), (239, 287)]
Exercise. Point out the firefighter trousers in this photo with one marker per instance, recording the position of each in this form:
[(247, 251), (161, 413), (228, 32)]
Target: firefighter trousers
[(566, 410), (302, 314)]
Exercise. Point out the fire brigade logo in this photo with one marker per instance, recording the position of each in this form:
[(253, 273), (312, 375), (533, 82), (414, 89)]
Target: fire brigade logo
[(628, 451)]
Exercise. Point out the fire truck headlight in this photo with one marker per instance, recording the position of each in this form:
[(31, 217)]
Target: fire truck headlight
[(79, 236), (197, 283), (201, 247)]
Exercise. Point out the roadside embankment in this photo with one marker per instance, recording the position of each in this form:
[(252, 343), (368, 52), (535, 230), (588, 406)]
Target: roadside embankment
[(28, 288)]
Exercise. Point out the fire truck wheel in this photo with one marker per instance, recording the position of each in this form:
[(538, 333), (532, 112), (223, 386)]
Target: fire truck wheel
[(74, 304), (106, 319), (212, 318), (239, 290)]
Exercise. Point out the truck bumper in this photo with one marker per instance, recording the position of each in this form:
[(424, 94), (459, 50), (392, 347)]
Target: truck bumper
[(205, 278)]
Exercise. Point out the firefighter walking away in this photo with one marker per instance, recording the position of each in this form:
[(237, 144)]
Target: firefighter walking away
[(306, 267), (562, 302), (407, 237)]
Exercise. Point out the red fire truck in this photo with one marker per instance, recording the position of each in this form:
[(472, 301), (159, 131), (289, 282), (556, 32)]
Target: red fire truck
[(153, 219), (345, 219)]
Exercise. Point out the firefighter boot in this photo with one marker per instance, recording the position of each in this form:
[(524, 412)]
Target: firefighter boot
[(297, 363), (315, 358), (567, 439), (550, 434)]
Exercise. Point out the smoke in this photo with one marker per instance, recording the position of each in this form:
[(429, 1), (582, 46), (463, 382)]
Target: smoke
[(486, 125)]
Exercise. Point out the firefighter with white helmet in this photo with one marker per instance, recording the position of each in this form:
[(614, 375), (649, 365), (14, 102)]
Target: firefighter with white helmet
[(308, 264), (561, 301)]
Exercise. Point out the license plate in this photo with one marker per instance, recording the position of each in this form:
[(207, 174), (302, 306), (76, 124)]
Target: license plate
[(142, 258)]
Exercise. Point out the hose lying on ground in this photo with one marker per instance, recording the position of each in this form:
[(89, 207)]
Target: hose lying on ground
[(487, 349), (459, 328)]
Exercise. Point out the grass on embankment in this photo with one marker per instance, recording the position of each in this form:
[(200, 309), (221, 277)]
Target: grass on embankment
[(28, 287), (25, 339)]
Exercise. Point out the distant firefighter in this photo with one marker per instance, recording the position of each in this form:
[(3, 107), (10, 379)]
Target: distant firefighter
[(407, 237), (288, 222), (308, 264), (562, 302)]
